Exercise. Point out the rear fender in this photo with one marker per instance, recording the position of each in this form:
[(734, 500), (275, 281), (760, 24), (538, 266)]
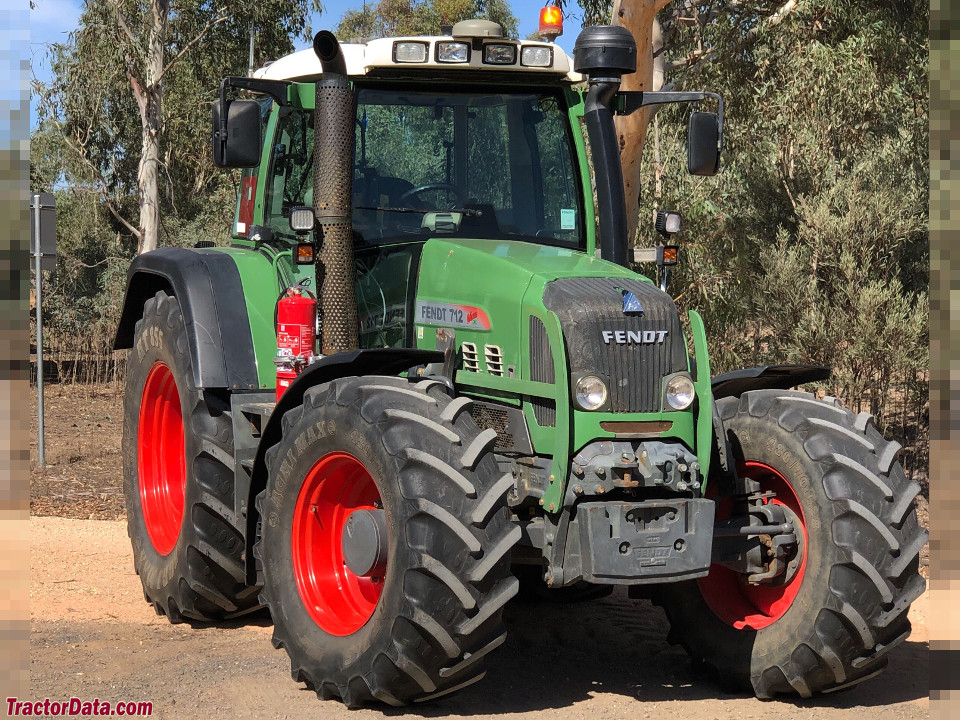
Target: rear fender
[(208, 288)]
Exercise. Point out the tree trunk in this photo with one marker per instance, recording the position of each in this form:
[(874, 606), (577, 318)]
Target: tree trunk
[(150, 100), (640, 18)]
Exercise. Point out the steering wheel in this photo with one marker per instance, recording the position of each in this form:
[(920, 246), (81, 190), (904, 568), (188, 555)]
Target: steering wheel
[(460, 197)]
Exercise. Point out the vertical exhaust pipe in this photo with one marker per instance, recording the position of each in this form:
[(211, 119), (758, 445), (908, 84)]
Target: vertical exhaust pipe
[(605, 53), (333, 140)]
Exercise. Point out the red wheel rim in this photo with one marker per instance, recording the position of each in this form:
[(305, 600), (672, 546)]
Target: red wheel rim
[(726, 592), (161, 459), (339, 601)]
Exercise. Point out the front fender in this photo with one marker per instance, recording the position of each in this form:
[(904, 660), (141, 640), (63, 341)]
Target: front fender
[(381, 361), (766, 377)]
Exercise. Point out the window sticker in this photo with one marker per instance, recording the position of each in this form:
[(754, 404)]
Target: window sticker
[(568, 219)]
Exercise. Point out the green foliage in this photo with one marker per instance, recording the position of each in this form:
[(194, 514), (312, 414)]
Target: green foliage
[(421, 17), (811, 245), (86, 146)]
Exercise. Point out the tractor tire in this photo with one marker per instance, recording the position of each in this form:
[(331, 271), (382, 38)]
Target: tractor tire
[(832, 625), (178, 477), (417, 627)]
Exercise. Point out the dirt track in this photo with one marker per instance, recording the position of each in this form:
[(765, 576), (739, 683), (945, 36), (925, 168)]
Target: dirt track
[(93, 636)]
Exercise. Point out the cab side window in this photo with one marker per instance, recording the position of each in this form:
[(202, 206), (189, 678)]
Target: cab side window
[(290, 180)]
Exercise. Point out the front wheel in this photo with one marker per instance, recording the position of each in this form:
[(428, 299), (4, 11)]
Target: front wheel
[(385, 542), (834, 617)]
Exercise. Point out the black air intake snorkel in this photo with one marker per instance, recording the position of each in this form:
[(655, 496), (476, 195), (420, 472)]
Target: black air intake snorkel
[(333, 139), (605, 53)]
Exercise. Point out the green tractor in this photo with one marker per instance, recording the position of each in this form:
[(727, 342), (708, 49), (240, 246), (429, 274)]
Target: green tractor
[(424, 372)]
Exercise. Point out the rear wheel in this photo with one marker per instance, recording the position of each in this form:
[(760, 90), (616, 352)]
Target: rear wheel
[(178, 477), (836, 614), (385, 542)]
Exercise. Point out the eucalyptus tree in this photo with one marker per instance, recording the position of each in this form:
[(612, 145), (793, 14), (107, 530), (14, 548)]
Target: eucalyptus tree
[(131, 92)]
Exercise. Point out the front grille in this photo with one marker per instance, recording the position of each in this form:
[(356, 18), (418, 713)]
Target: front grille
[(541, 370), (508, 422), (488, 416), (632, 372)]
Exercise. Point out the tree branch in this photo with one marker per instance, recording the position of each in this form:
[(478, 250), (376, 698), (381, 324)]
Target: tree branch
[(101, 181), (190, 44), (122, 22), (701, 57)]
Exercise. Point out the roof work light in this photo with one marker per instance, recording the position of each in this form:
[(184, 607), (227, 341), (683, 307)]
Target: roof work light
[(551, 22)]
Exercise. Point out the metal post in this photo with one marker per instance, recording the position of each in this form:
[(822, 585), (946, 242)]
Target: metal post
[(39, 281)]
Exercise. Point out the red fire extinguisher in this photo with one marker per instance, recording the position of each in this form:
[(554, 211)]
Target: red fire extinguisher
[(296, 322)]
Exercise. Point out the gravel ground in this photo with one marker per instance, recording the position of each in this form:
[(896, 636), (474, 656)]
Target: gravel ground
[(94, 637)]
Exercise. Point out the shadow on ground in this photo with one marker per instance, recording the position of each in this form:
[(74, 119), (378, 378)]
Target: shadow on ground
[(558, 655)]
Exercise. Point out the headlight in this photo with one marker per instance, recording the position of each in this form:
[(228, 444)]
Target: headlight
[(499, 54), (452, 52), (591, 392), (680, 392), (536, 56), (409, 52)]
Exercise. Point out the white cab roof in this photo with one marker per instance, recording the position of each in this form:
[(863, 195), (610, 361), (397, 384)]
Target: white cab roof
[(362, 58)]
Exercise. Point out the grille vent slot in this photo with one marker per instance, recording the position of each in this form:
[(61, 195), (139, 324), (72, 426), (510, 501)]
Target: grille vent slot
[(494, 359), (471, 361), (541, 370)]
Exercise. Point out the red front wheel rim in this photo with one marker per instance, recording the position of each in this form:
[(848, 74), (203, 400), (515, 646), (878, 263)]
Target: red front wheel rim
[(339, 601), (726, 592), (161, 459)]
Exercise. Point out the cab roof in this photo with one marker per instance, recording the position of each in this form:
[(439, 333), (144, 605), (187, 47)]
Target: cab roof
[(365, 58)]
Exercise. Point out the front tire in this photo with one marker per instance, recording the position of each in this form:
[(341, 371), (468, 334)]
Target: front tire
[(178, 477), (833, 624), (419, 625)]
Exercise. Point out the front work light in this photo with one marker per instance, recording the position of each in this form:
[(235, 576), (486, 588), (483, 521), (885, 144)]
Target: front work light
[(536, 56), (551, 22), (668, 223), (680, 392), (452, 52), (496, 54), (591, 392), (409, 52), (302, 219)]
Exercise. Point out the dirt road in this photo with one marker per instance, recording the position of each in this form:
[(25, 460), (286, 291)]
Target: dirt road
[(93, 636)]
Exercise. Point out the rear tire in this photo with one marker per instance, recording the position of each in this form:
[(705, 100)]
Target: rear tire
[(849, 608), (421, 630), (178, 477)]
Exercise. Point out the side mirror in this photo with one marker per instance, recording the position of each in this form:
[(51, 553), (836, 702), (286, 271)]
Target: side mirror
[(236, 138), (703, 144)]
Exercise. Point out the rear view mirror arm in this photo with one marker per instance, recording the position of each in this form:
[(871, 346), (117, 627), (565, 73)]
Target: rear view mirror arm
[(276, 89), (628, 102)]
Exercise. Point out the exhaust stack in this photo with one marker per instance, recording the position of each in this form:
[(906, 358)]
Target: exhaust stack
[(333, 140), (605, 53)]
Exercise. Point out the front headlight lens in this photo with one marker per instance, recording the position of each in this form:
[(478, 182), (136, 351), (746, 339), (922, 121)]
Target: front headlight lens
[(499, 54), (452, 52), (591, 392), (680, 392), (409, 52), (536, 56)]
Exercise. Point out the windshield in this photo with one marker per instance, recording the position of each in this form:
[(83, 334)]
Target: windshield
[(426, 164), (470, 165)]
